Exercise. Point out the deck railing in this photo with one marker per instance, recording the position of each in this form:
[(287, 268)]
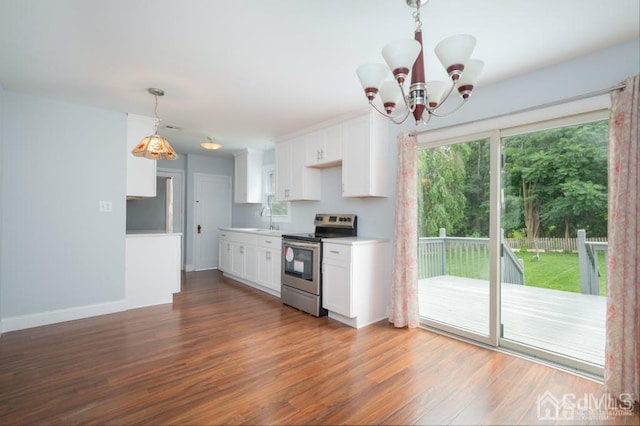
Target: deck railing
[(469, 257), (588, 260), (464, 257)]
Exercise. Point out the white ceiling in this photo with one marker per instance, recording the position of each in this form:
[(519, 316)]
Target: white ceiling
[(246, 72)]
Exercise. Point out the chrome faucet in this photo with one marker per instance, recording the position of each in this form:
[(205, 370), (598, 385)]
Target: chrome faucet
[(270, 213)]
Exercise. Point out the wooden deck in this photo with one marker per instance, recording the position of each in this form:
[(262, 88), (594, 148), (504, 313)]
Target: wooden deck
[(568, 323)]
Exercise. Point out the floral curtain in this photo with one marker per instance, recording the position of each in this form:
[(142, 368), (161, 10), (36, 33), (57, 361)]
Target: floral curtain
[(403, 305), (622, 354)]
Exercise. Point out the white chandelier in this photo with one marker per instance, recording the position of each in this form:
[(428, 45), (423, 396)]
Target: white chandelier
[(423, 96)]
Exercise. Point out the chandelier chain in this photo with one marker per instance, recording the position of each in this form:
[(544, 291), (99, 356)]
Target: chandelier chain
[(416, 17)]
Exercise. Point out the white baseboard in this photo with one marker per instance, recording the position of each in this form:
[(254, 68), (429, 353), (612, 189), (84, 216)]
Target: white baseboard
[(189, 267), (21, 322)]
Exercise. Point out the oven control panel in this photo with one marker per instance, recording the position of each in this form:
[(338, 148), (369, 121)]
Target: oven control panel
[(335, 220)]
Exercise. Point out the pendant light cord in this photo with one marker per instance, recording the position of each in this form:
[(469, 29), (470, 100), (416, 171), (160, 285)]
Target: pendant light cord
[(155, 112)]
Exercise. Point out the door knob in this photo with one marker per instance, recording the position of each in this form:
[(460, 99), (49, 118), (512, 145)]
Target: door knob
[(199, 228)]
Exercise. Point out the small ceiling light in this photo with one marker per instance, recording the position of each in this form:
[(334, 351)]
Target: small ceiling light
[(211, 144), (424, 98), (155, 147)]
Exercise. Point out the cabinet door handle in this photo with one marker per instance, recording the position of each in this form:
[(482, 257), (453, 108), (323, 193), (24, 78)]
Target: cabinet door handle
[(268, 255), (199, 228), (334, 251), (241, 250)]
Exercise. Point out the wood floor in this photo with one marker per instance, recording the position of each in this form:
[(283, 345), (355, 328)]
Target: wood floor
[(225, 353)]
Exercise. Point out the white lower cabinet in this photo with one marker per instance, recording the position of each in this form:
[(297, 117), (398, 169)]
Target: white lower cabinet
[(224, 252), (251, 258), (354, 280), (268, 263), (338, 295)]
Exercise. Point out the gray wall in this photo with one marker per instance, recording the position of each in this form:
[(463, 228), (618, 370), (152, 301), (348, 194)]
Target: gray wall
[(579, 76), (191, 164), (58, 161), (149, 214), (1, 198)]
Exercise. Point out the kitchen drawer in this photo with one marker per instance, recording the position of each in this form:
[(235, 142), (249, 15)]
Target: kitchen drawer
[(238, 237), (269, 242), (336, 251)]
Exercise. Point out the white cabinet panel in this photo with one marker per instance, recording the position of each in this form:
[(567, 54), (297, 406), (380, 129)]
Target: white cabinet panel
[(248, 176), (323, 148), (141, 172), (252, 259), (224, 253), (295, 181), (354, 281), (337, 288), (152, 269), (364, 157)]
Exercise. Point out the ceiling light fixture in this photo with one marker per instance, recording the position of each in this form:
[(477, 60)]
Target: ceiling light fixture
[(155, 147), (423, 96), (211, 144)]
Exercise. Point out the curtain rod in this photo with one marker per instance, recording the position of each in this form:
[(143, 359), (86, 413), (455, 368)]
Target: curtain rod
[(536, 107)]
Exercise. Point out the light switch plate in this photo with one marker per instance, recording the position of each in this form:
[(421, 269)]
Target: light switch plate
[(105, 207)]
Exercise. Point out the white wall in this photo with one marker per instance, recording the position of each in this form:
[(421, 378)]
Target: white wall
[(61, 257)]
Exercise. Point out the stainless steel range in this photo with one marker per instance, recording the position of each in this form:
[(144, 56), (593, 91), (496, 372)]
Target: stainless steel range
[(302, 261)]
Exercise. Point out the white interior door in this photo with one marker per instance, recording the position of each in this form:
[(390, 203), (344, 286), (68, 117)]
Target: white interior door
[(212, 211)]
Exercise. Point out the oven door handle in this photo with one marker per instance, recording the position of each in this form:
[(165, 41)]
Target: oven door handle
[(302, 245)]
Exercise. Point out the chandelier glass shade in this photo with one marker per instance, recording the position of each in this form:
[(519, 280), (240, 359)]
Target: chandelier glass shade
[(423, 99), (155, 147)]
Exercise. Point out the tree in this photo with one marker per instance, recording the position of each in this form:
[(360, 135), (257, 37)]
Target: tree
[(477, 190), (560, 177), (441, 200)]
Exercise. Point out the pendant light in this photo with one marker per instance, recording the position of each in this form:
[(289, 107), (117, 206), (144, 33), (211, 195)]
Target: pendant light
[(155, 147), (210, 144)]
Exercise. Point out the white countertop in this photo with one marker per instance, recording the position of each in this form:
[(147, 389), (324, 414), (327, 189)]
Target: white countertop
[(152, 233), (350, 241), (257, 231)]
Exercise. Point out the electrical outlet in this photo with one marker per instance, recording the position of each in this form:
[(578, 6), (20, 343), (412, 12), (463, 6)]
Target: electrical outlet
[(105, 207)]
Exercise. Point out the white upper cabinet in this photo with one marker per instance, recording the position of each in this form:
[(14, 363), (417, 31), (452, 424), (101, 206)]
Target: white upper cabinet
[(248, 176), (141, 172), (324, 147), (295, 181), (365, 157)]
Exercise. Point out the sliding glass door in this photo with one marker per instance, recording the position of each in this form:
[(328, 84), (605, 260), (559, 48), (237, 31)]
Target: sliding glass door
[(512, 238), (553, 286), (453, 227)]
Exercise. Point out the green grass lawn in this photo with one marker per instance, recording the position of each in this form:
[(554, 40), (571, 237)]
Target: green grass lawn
[(558, 271)]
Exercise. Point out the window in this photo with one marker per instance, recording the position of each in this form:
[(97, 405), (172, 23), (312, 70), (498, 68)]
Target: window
[(275, 210)]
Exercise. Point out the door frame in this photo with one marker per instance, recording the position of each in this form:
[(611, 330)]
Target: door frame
[(570, 112), (178, 202)]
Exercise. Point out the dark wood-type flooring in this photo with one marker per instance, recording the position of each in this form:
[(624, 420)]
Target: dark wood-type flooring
[(226, 353)]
